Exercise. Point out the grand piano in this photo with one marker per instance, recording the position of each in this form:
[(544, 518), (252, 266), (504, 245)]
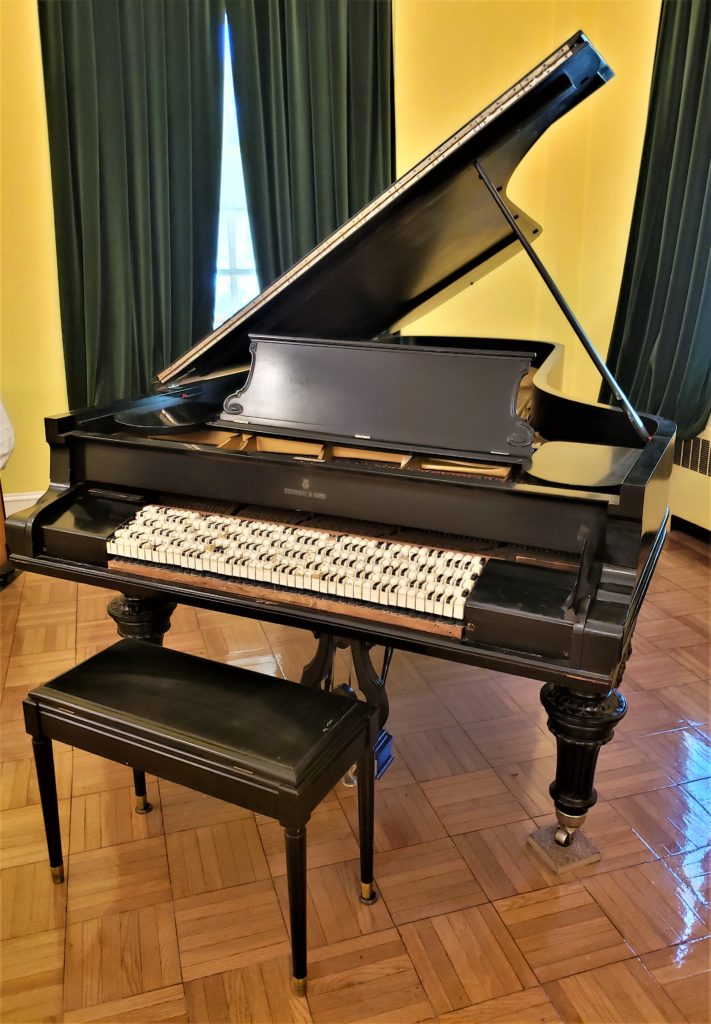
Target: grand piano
[(310, 463)]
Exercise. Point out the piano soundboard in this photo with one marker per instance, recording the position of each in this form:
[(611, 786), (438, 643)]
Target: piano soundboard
[(298, 564)]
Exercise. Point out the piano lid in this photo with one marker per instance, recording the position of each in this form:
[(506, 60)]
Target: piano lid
[(433, 232)]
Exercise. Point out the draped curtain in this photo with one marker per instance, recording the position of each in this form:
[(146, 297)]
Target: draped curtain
[(661, 340), (134, 106), (313, 84)]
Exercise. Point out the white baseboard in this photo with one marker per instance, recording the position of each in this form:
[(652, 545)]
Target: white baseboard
[(16, 502)]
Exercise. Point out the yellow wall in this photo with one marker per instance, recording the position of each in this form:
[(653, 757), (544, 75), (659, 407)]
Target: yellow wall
[(454, 56), (31, 362), (690, 496)]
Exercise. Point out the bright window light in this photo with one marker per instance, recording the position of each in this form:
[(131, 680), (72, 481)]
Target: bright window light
[(235, 277)]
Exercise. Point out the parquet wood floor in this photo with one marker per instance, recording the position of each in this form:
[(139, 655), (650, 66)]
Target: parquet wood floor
[(180, 915)]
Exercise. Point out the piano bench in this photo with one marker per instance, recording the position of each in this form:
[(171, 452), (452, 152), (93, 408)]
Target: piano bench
[(264, 744)]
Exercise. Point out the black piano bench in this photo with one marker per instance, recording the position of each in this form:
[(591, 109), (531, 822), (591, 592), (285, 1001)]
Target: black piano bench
[(268, 745)]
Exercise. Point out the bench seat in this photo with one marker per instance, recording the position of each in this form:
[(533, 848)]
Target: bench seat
[(265, 744)]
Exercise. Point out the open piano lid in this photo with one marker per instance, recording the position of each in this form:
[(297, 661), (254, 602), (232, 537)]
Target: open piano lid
[(433, 232)]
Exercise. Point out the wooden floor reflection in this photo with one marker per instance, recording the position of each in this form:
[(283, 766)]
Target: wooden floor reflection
[(179, 915)]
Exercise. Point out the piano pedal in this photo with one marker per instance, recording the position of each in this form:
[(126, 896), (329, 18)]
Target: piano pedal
[(350, 779)]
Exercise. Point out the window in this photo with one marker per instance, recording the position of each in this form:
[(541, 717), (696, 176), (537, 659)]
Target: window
[(236, 277)]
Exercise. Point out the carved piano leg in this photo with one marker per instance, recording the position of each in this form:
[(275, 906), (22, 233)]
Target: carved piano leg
[(581, 724), (372, 686), (141, 618)]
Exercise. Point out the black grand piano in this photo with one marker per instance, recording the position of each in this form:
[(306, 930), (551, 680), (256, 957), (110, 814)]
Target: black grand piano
[(310, 463)]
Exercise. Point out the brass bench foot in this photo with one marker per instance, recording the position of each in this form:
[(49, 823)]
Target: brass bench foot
[(142, 805), (368, 894)]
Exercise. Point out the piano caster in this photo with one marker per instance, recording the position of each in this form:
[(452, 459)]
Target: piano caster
[(567, 829), (564, 836), (57, 874), (142, 805)]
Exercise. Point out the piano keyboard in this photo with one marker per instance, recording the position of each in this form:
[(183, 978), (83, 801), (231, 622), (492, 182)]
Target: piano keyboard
[(358, 570)]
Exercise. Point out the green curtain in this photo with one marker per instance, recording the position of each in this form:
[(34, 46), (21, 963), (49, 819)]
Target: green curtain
[(661, 339), (134, 105), (313, 85)]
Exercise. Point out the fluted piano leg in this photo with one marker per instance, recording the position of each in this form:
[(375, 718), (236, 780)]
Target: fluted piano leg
[(581, 724)]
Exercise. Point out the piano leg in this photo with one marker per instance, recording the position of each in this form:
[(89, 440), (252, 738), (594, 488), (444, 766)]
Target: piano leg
[(581, 724), (141, 618)]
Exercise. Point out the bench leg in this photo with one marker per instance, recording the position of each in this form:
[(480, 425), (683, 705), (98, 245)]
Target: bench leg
[(366, 824), (44, 762), (295, 839), (139, 787)]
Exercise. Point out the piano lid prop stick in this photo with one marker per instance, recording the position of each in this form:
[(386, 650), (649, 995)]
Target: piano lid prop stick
[(603, 369)]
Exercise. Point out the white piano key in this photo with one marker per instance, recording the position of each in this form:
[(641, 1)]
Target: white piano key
[(415, 577)]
